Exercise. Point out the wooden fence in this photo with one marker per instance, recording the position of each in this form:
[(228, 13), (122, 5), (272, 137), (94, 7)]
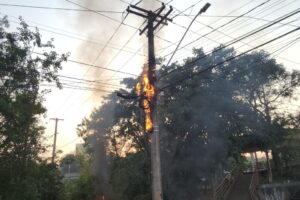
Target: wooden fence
[(224, 188), (254, 185)]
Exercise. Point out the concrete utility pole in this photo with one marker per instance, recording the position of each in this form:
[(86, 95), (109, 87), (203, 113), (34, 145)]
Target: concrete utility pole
[(154, 19), (54, 142)]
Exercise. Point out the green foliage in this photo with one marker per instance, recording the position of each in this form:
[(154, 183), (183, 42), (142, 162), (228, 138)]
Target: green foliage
[(113, 130), (130, 177), (38, 181), (22, 173), (290, 154), (50, 185), (84, 187)]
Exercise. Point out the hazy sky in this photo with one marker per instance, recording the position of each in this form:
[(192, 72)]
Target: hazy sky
[(84, 34)]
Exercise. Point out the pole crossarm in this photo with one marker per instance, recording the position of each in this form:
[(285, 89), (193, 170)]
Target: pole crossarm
[(164, 18), (151, 16)]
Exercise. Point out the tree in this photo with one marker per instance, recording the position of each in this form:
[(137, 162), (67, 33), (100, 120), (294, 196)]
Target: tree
[(206, 121), (83, 186), (68, 159), (270, 86), (130, 177), (115, 141), (216, 111), (21, 99)]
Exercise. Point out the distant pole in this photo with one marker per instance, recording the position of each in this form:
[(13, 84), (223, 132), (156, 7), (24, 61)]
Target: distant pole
[(270, 178), (54, 142)]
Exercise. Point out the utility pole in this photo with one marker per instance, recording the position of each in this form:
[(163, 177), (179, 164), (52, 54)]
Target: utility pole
[(154, 19), (54, 142)]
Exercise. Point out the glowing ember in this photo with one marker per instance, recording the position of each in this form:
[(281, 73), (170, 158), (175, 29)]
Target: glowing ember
[(147, 92)]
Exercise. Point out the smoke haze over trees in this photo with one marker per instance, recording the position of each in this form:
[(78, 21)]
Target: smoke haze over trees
[(205, 122)]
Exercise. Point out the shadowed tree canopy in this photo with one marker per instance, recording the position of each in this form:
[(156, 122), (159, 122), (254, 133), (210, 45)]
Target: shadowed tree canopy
[(205, 120)]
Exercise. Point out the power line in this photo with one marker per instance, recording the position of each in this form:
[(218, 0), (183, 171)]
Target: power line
[(89, 81), (104, 78), (103, 15), (234, 16), (79, 88), (248, 34), (279, 50), (191, 6), (85, 84), (219, 27), (210, 27), (75, 36), (125, 63), (293, 42), (69, 84), (124, 45), (58, 8), (239, 26), (214, 30), (108, 41), (111, 37), (227, 60), (105, 68), (266, 33), (113, 19), (114, 33), (259, 37), (234, 58), (68, 80), (96, 66), (203, 9), (68, 143), (159, 37)]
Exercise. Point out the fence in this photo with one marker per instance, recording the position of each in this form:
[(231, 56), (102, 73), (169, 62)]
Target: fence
[(254, 185), (223, 189)]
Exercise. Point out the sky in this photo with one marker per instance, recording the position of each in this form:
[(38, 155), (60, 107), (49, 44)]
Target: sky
[(100, 39)]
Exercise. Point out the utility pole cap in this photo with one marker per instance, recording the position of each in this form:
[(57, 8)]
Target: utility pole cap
[(207, 5)]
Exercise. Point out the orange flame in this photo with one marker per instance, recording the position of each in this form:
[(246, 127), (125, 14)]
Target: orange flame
[(147, 90)]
